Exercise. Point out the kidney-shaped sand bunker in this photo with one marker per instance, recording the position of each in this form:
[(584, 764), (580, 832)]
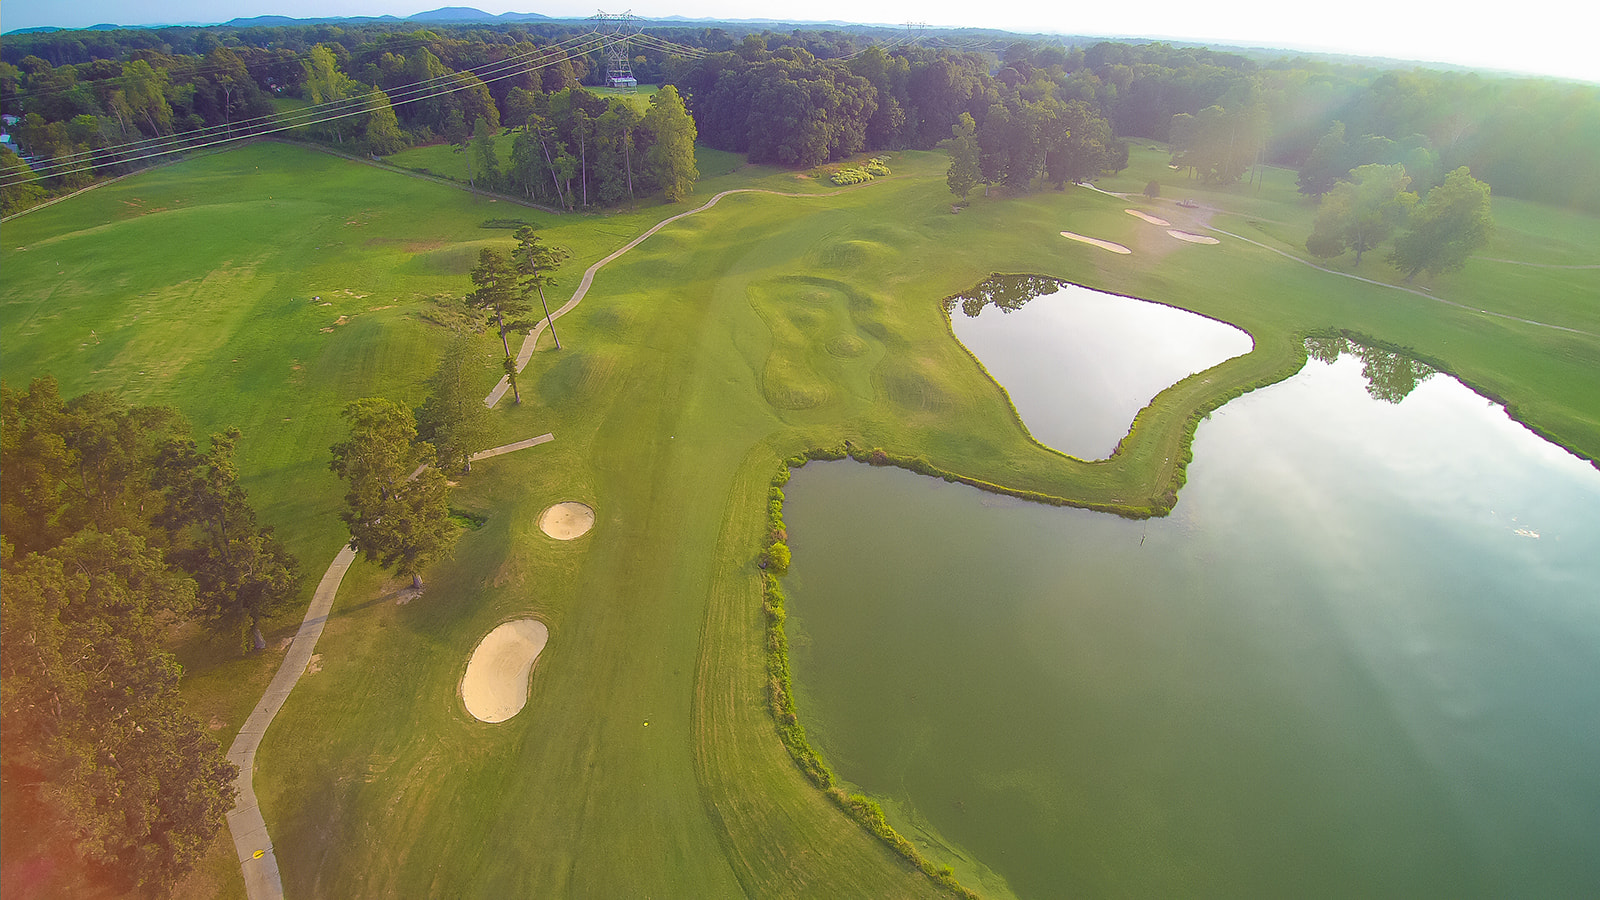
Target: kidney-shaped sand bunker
[(496, 684), (566, 521)]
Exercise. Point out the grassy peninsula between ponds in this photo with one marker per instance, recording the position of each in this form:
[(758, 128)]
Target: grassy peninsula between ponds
[(268, 286)]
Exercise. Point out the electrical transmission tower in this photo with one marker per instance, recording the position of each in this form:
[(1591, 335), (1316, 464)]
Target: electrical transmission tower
[(616, 29)]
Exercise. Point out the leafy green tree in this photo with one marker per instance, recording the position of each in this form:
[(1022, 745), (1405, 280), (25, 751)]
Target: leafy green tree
[(1451, 223), (397, 505), (456, 132), (93, 721), (324, 83), (243, 573), (1329, 162), (615, 140), (1361, 213), (453, 418), (963, 174), (18, 189), (499, 293), (37, 463), (145, 93), (483, 154), (383, 135), (1080, 144), (536, 263), (671, 157)]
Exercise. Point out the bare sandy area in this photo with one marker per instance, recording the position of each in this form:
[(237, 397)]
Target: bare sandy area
[(1193, 238), (566, 521), (496, 684), (1147, 217), (1103, 245)]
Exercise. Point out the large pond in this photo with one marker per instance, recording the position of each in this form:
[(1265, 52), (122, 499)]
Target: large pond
[(1360, 659), (1080, 364)]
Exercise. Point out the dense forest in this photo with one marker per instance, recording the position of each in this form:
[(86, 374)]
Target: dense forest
[(93, 103), (117, 528)]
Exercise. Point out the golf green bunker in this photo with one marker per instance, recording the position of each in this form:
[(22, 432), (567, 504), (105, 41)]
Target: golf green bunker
[(496, 684), (566, 521), (1096, 242), (1191, 237)]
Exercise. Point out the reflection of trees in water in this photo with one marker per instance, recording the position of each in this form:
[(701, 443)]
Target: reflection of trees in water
[(1007, 292), (1391, 376)]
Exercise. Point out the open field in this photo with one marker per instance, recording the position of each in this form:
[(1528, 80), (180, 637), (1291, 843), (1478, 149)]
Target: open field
[(268, 286)]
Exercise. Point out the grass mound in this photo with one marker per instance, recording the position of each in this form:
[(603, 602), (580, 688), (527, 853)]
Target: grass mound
[(853, 254), (845, 346)]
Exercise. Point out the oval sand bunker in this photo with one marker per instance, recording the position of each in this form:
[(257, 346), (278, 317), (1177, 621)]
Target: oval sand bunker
[(566, 521), (496, 684), (1193, 238)]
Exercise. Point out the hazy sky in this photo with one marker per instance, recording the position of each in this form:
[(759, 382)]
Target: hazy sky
[(1547, 37)]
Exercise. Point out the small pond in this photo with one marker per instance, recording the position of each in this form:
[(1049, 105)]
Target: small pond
[(1360, 659), (1080, 364)]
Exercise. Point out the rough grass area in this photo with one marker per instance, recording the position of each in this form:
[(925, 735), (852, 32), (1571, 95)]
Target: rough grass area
[(268, 286)]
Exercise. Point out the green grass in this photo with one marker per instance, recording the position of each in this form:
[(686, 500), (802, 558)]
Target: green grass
[(724, 344)]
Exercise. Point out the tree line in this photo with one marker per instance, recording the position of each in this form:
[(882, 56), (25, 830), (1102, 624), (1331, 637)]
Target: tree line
[(117, 526), (798, 98), (787, 106)]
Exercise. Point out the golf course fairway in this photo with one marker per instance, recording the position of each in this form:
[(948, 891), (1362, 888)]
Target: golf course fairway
[(269, 285)]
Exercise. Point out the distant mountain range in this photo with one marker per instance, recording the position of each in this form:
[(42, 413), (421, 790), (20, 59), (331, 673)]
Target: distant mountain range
[(443, 15)]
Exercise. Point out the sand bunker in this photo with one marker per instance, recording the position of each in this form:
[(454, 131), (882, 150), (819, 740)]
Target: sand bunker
[(1103, 245), (1147, 217), (1193, 238), (496, 684), (565, 521)]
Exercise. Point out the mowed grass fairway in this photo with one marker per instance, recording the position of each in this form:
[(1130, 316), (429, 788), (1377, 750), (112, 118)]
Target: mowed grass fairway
[(645, 762)]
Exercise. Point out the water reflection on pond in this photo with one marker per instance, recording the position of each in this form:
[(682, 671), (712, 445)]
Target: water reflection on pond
[(1361, 658), (1080, 364)]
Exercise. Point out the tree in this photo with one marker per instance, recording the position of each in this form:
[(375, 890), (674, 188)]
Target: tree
[(1361, 213), (1328, 163), (1451, 224), (383, 135), (615, 139), (500, 294), (397, 505), (18, 187), (963, 174), (243, 573), (324, 83), (483, 153), (453, 418), (535, 263), (93, 722), (671, 157), (1080, 144)]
